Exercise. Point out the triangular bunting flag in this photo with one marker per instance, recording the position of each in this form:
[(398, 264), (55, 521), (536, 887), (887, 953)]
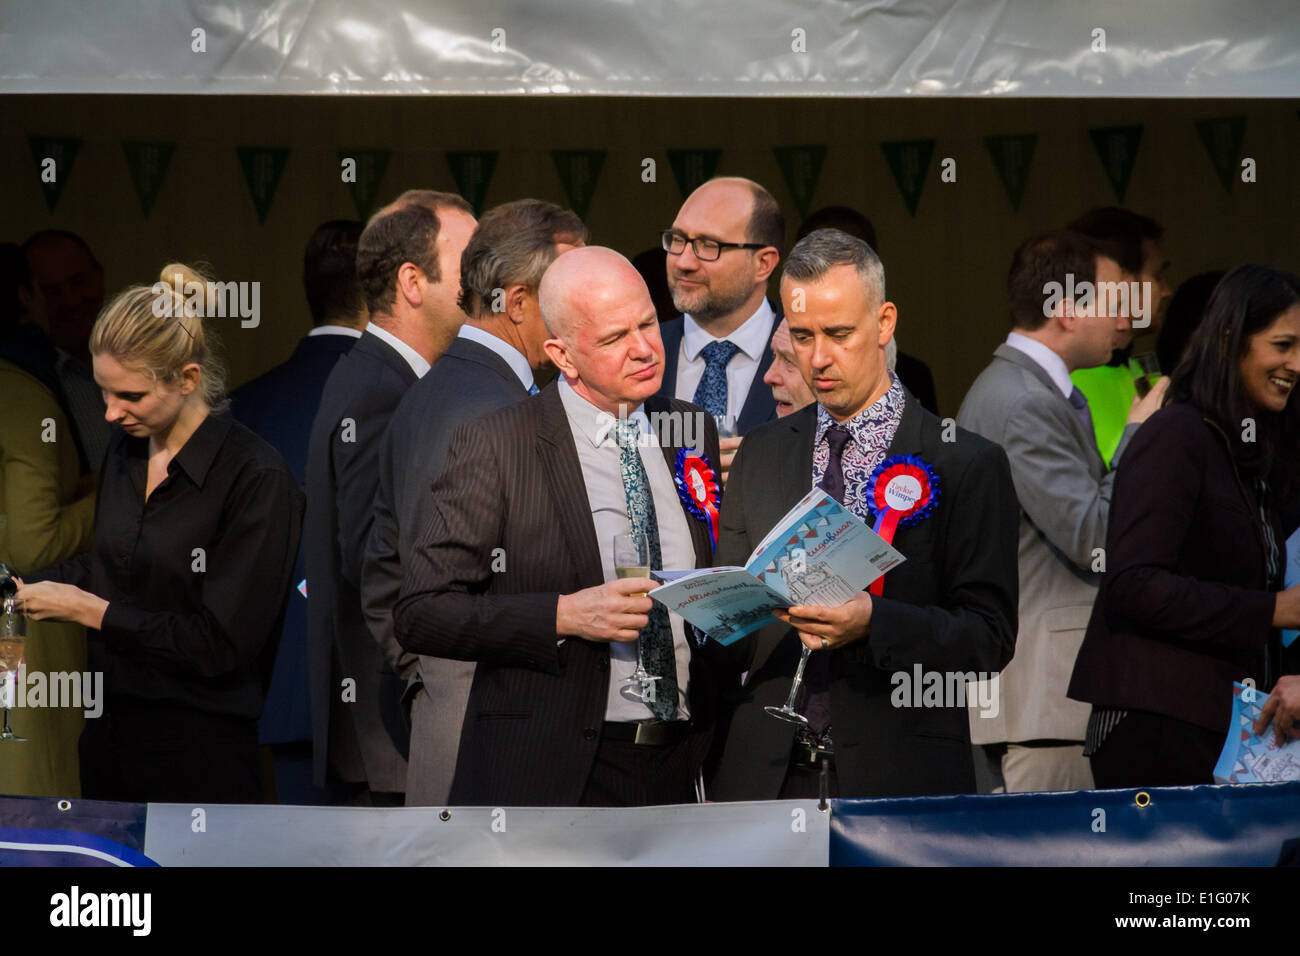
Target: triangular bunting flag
[(53, 176), (1117, 148), (693, 168), (147, 163), (363, 180), (909, 160), (579, 169), (802, 167), (1222, 139), (473, 172), (1012, 155), (263, 166)]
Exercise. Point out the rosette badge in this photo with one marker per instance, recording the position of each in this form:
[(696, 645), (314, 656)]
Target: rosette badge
[(698, 488), (902, 491)]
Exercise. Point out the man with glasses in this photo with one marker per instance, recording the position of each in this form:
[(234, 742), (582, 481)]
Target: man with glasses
[(722, 248)]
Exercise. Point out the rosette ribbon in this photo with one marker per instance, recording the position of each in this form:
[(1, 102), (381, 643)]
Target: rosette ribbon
[(697, 486), (902, 491)]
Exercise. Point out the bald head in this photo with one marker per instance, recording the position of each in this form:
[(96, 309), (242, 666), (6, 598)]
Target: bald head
[(736, 196), (605, 332), (586, 282)]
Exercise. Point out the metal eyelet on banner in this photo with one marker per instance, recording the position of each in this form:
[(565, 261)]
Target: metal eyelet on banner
[(65, 805), (1142, 799), (444, 816)]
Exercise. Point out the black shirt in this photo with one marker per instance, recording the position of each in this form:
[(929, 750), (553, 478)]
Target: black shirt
[(198, 575)]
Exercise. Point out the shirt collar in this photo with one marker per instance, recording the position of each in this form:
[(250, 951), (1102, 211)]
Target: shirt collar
[(509, 354), (335, 330), (751, 338), (1045, 358), (196, 456), (886, 411), (413, 358), (595, 424)]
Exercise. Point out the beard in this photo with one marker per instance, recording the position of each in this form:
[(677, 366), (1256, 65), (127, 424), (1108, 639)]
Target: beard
[(706, 304)]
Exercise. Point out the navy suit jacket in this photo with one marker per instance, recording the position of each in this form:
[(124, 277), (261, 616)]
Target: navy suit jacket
[(362, 738), (280, 406), (759, 405)]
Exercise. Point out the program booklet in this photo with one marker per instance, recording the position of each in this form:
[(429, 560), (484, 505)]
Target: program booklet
[(820, 553), (1248, 758)]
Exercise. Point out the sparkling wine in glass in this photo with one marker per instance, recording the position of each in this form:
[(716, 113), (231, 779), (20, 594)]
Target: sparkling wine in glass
[(1145, 368), (787, 712), (632, 560), (13, 634)]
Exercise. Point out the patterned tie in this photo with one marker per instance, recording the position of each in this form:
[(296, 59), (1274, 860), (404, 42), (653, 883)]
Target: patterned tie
[(711, 393), (533, 389), (657, 637), (1079, 402), (817, 701)]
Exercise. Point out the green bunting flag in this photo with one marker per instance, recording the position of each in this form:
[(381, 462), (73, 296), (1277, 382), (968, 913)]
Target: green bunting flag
[(1012, 155), (1222, 139), (579, 169), (909, 160), (473, 173), (693, 167), (263, 167), (1117, 148), (147, 163), (53, 176), (802, 167), (362, 170)]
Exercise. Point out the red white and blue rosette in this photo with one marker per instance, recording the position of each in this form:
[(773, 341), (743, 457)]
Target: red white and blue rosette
[(697, 486), (901, 492)]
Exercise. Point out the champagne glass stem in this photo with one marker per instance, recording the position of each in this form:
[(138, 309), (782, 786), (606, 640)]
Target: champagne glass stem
[(798, 678)]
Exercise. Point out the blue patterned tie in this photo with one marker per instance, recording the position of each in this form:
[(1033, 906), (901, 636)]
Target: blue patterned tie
[(1079, 402), (657, 637), (533, 389), (711, 393)]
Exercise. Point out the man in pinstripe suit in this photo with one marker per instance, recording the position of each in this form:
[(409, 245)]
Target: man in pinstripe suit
[(514, 568)]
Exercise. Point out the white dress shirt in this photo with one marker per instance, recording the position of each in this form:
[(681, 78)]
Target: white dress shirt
[(509, 354), (413, 358), (1049, 361), (328, 329), (751, 338), (599, 457)]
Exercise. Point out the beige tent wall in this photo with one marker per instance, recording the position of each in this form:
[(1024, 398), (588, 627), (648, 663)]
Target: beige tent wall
[(945, 265)]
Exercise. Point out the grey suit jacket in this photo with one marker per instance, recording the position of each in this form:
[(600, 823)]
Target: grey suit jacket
[(469, 380), (1064, 491)]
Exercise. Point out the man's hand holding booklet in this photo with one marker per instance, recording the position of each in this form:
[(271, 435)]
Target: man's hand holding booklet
[(820, 553)]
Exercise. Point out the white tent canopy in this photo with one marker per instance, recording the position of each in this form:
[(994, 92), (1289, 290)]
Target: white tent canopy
[(1021, 48)]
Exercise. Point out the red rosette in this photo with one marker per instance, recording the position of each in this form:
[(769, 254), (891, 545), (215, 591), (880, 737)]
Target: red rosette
[(697, 486)]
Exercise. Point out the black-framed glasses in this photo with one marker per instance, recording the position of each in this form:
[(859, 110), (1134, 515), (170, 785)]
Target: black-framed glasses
[(706, 250)]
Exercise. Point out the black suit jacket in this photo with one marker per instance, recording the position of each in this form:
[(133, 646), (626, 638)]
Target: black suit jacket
[(280, 406), (361, 740), (759, 405), (1185, 606), (951, 606), (513, 482)]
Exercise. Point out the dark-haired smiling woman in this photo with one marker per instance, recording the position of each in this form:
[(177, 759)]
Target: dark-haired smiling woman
[(196, 529), (1208, 494)]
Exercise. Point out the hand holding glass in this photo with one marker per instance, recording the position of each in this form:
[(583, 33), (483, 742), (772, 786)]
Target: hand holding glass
[(632, 560)]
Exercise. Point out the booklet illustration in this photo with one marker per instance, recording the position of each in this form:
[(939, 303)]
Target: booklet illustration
[(1248, 758), (819, 553)]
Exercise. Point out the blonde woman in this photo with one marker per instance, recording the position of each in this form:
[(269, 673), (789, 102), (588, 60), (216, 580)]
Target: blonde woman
[(196, 528)]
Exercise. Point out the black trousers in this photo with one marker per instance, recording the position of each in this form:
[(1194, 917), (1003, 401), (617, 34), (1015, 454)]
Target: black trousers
[(625, 774), (143, 751), (1152, 750)]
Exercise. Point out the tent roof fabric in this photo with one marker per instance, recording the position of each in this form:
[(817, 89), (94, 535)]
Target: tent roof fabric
[(1001, 48)]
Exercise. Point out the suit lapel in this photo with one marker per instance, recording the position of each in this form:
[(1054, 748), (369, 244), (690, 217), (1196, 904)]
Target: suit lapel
[(670, 333), (559, 459), (700, 537), (1087, 437)]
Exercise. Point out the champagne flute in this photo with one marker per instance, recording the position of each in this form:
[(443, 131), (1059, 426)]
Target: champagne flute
[(1145, 369), (13, 633), (632, 560), (787, 711)]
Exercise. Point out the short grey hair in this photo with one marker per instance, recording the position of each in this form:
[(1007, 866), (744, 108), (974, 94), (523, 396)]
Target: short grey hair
[(513, 244), (823, 249)]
